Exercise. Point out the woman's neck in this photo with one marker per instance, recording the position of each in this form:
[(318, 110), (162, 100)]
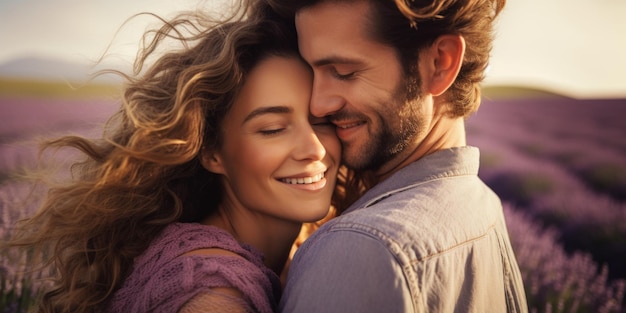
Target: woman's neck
[(273, 237)]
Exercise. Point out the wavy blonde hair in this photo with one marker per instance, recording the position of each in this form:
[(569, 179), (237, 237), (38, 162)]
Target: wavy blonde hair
[(144, 173)]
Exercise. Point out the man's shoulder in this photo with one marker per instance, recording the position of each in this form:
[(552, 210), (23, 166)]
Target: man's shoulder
[(383, 230), (415, 218), (340, 233)]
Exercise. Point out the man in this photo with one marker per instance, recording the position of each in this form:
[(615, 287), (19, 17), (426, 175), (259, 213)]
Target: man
[(398, 79)]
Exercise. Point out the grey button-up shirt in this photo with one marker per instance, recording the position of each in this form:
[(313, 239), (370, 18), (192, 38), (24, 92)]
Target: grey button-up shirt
[(431, 238)]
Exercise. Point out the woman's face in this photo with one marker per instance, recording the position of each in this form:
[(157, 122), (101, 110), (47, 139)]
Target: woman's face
[(277, 160)]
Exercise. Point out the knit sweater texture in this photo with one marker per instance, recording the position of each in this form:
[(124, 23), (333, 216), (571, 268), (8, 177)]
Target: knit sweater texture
[(163, 280)]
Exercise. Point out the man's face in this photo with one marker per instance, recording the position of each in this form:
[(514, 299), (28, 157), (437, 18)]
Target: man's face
[(360, 84)]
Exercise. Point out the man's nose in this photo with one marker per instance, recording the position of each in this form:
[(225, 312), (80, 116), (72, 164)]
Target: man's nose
[(325, 100)]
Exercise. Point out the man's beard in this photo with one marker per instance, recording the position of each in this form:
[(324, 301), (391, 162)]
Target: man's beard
[(400, 125)]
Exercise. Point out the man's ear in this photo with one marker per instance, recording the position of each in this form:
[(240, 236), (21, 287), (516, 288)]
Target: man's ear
[(212, 161), (443, 60)]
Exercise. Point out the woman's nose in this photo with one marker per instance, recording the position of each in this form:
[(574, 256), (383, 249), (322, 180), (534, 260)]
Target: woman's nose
[(309, 146)]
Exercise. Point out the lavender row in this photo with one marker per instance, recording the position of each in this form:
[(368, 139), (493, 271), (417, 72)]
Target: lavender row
[(28, 117), (554, 280), (584, 137), (564, 161), (18, 283), (550, 159)]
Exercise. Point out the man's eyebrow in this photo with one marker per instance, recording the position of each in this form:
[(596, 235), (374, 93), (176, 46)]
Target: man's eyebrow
[(267, 110), (334, 60)]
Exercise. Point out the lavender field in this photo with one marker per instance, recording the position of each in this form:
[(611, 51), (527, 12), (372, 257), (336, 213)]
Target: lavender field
[(558, 164), (25, 120)]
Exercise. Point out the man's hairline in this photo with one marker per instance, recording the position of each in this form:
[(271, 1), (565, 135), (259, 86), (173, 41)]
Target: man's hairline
[(370, 20)]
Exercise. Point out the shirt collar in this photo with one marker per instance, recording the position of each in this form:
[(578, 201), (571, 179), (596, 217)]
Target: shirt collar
[(444, 163)]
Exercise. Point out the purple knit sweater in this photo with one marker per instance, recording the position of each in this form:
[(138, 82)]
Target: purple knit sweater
[(162, 280)]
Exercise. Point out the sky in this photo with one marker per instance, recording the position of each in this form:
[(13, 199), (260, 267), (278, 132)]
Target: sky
[(573, 46)]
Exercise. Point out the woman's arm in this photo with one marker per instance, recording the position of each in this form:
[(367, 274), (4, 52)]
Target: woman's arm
[(217, 300)]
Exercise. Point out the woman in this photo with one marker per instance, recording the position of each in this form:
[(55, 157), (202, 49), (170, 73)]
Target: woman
[(194, 196)]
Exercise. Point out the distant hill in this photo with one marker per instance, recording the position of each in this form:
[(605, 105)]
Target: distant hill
[(40, 77), (496, 92), (37, 69), (38, 88), (44, 69)]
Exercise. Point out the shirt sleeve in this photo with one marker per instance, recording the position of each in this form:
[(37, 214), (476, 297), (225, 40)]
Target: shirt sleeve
[(346, 271)]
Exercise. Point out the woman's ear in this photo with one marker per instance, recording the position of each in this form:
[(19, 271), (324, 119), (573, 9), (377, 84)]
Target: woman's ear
[(212, 161), (443, 60)]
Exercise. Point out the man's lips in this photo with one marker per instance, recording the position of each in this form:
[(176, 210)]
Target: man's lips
[(349, 125), (346, 129)]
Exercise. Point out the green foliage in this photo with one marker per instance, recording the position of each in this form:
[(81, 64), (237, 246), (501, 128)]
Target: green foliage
[(522, 188), (55, 89), (606, 178), (517, 92), (3, 177), (16, 291), (16, 294), (489, 159)]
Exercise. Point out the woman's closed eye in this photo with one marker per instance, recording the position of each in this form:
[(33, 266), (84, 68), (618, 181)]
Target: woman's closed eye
[(271, 131)]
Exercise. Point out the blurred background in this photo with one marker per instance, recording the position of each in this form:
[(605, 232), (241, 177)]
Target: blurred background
[(550, 128), (576, 47)]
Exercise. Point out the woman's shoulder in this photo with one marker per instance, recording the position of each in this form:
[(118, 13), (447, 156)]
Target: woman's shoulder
[(196, 252), (186, 260), (211, 252), (182, 238)]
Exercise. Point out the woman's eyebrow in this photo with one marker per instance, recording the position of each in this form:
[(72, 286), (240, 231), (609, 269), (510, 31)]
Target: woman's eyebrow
[(268, 110)]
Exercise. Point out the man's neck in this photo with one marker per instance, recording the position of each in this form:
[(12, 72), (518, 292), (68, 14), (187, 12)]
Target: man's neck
[(444, 133)]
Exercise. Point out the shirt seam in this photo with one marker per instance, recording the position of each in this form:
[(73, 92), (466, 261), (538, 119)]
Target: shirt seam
[(367, 229)]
